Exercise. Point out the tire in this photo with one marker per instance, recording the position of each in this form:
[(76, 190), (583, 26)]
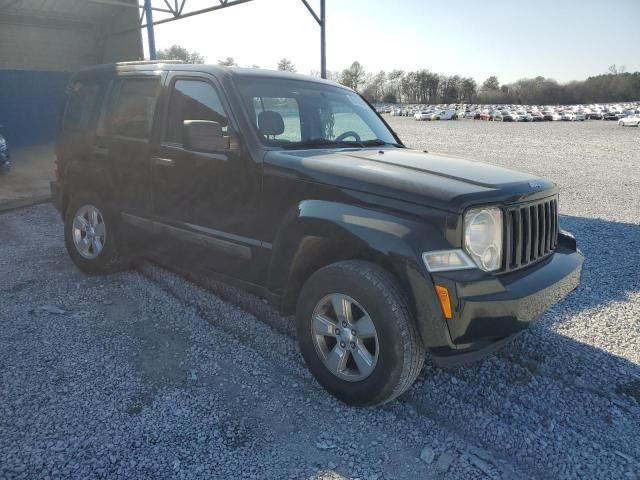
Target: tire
[(112, 256), (397, 353)]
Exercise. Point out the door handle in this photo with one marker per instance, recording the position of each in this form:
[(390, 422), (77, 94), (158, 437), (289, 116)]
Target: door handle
[(164, 162)]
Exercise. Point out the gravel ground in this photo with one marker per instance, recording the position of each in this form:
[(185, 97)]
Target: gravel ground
[(145, 374), (31, 171)]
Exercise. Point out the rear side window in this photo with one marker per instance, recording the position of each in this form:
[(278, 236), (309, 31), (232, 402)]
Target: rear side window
[(81, 104), (193, 100), (131, 107)]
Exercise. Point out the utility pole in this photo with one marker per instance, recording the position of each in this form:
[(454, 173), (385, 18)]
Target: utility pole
[(148, 12), (323, 43), (322, 21)]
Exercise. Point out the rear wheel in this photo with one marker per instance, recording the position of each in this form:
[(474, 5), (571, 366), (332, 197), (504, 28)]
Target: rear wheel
[(93, 237), (357, 335)]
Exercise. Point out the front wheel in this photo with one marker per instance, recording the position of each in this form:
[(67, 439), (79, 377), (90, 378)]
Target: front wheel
[(357, 334)]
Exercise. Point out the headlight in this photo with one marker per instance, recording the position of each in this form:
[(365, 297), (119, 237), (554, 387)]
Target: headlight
[(483, 237)]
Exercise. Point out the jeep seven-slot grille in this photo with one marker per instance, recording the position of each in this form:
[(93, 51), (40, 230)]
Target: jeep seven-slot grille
[(531, 233)]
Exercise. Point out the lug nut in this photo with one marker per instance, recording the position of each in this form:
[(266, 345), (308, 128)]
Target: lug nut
[(342, 344), (353, 345), (337, 331), (344, 324), (353, 332)]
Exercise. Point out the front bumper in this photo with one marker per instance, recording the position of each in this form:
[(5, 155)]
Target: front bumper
[(489, 310)]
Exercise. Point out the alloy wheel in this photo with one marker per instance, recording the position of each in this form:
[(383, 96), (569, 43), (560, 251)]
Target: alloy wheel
[(345, 337), (89, 231)]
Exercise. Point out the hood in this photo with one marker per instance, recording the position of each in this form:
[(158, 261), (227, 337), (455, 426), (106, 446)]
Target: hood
[(429, 179)]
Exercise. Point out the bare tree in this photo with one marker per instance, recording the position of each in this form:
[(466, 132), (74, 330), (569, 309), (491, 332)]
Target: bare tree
[(468, 89), (491, 83), (353, 77), (227, 62), (286, 65), (176, 52), (395, 78)]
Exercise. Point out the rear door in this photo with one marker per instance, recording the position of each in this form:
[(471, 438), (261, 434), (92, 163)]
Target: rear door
[(124, 139)]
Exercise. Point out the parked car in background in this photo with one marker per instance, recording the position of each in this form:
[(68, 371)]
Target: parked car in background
[(595, 116), (611, 116), (567, 116), (580, 116), (537, 117), (444, 115), (423, 115), (511, 117), (630, 121), (5, 157)]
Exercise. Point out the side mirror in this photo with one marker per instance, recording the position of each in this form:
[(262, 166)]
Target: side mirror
[(203, 136)]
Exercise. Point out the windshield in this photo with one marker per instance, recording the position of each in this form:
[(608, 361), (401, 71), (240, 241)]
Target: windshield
[(309, 114)]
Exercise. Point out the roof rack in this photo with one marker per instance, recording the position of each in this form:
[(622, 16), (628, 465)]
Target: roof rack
[(149, 62)]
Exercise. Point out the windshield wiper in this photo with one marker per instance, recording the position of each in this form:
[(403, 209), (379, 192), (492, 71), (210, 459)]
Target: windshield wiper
[(326, 142), (321, 142), (379, 143)]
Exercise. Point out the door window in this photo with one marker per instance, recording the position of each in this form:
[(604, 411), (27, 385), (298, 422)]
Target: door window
[(193, 100), (131, 108), (80, 106)]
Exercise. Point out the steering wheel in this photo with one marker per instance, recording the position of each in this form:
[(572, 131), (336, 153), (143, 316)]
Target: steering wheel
[(348, 134)]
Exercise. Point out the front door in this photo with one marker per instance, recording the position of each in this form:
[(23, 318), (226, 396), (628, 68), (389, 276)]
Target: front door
[(208, 202)]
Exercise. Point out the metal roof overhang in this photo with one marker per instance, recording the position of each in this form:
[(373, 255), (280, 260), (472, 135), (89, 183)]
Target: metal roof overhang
[(75, 14), (91, 15)]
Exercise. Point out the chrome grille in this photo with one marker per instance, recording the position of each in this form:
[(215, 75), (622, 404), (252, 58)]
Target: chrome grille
[(531, 233)]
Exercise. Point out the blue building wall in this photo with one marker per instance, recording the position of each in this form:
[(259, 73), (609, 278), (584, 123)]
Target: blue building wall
[(30, 103)]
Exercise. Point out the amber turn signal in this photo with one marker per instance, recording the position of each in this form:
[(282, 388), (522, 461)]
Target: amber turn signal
[(445, 301)]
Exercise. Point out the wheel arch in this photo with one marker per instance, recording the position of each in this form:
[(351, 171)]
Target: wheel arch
[(81, 178), (320, 233)]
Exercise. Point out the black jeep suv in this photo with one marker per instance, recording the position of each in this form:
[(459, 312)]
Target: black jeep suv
[(296, 189)]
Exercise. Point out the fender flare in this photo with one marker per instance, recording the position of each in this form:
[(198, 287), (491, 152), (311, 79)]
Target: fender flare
[(318, 232)]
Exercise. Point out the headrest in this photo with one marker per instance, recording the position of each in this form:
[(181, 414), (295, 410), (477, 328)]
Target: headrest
[(270, 123)]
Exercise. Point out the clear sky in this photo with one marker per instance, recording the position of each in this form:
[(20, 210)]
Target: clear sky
[(561, 39)]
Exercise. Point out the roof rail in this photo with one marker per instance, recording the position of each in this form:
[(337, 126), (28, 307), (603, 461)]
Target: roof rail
[(149, 62)]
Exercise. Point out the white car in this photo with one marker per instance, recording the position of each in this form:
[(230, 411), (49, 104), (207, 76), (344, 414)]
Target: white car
[(444, 115), (423, 115), (581, 116), (568, 117), (630, 121)]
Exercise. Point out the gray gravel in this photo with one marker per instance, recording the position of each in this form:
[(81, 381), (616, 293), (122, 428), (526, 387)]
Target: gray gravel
[(145, 374)]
